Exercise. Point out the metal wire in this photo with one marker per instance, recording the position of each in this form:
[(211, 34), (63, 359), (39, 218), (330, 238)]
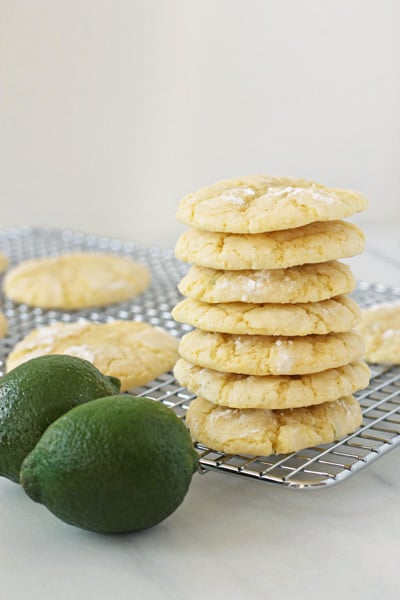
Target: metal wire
[(312, 468)]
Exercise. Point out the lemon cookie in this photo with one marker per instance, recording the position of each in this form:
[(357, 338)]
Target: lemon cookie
[(260, 203), (272, 391), (380, 326), (268, 355), (132, 351), (3, 325), (314, 243), (3, 262), (264, 432), (333, 315), (74, 281), (305, 283)]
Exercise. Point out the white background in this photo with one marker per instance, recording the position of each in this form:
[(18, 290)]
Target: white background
[(111, 110)]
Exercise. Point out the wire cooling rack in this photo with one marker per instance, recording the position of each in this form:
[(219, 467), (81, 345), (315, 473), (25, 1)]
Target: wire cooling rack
[(308, 469)]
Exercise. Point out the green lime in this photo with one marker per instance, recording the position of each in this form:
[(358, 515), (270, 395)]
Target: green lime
[(35, 394), (113, 465)]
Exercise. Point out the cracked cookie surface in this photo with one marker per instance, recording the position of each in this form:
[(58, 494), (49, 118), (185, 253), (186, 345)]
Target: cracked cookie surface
[(273, 391), (313, 243), (134, 352), (334, 315), (270, 355), (305, 283), (264, 432), (76, 280), (260, 203)]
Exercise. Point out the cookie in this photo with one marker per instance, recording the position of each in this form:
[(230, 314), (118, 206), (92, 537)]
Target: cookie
[(260, 203), (314, 243), (264, 432), (268, 355), (306, 283), (74, 281), (273, 391), (380, 327), (333, 315), (3, 325), (3, 262), (132, 351)]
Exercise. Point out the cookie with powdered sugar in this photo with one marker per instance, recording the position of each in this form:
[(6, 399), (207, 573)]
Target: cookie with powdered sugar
[(134, 352), (380, 327), (313, 243), (272, 391), (77, 280), (333, 315), (256, 431), (270, 355), (305, 283), (260, 203)]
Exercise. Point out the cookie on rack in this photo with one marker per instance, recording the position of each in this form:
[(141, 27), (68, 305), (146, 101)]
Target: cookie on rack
[(264, 432), (3, 262), (380, 327), (76, 280), (261, 203), (3, 325), (305, 283), (328, 316), (270, 355), (314, 243), (133, 351), (274, 392)]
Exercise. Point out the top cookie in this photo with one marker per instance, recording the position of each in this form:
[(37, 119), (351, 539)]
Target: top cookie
[(74, 281), (258, 203)]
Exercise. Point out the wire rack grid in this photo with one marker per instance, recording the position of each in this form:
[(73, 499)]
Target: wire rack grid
[(308, 469)]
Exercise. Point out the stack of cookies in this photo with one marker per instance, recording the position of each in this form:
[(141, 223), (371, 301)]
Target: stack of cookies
[(274, 358)]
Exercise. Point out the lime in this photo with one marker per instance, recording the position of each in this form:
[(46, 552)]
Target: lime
[(35, 394), (113, 465)]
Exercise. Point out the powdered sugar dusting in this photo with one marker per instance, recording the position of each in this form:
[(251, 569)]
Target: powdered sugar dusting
[(245, 426), (346, 407), (237, 195), (81, 351), (222, 283), (312, 193), (284, 357), (391, 333), (238, 345), (245, 284), (48, 336)]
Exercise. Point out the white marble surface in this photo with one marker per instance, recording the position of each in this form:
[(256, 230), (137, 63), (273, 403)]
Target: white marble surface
[(231, 538)]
